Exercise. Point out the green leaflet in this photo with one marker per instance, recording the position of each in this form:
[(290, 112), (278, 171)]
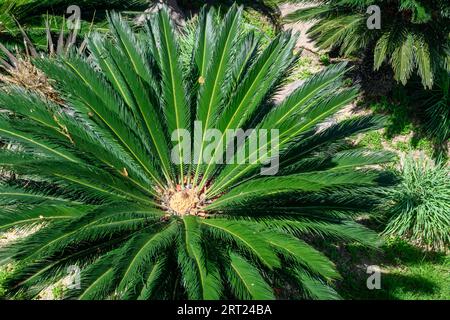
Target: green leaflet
[(249, 240), (246, 281), (211, 93), (208, 272)]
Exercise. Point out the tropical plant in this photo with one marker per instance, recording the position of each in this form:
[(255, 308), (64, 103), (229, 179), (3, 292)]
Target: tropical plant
[(421, 212), (414, 34), (33, 16), (436, 103), (100, 182), (18, 69), (267, 7)]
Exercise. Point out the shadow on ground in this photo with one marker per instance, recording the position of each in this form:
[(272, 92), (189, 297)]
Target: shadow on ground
[(407, 272)]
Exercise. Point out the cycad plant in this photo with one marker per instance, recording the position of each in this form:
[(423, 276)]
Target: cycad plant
[(33, 15), (421, 212), (437, 102), (18, 69), (267, 7), (414, 36), (102, 183)]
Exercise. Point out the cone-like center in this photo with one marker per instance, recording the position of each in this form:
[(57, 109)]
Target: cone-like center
[(184, 202)]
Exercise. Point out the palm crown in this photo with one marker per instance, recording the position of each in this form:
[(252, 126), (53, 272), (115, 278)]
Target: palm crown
[(414, 35), (97, 176)]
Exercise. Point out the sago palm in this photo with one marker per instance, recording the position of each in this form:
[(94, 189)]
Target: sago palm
[(33, 15), (99, 179), (437, 102), (414, 35)]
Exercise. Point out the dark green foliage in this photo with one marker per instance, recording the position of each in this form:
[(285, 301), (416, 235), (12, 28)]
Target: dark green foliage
[(426, 113), (266, 7), (33, 15), (95, 176), (437, 108), (414, 35)]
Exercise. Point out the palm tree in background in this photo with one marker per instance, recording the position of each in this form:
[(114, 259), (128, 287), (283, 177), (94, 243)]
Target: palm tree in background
[(414, 35)]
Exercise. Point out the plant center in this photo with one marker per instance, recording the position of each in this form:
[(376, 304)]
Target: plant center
[(184, 202)]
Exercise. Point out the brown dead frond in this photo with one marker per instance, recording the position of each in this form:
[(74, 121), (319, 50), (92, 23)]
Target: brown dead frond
[(20, 71), (24, 74)]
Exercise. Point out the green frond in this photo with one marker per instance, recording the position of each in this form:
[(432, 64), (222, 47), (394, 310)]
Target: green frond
[(140, 97), (96, 103), (381, 51), (96, 281), (25, 216), (246, 239), (307, 14), (403, 42), (306, 182), (133, 49), (135, 260), (246, 281), (315, 289), (315, 142), (204, 40), (403, 60), (210, 283), (175, 106), (302, 253), (212, 83), (291, 120), (9, 129), (423, 61), (153, 280), (190, 278), (344, 231), (253, 89), (348, 159)]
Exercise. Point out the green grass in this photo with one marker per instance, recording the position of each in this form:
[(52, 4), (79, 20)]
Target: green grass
[(58, 291), (3, 275), (372, 140), (408, 273), (325, 59), (348, 82), (376, 139), (401, 122), (305, 67), (413, 144), (260, 24), (416, 274), (399, 116), (423, 144)]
